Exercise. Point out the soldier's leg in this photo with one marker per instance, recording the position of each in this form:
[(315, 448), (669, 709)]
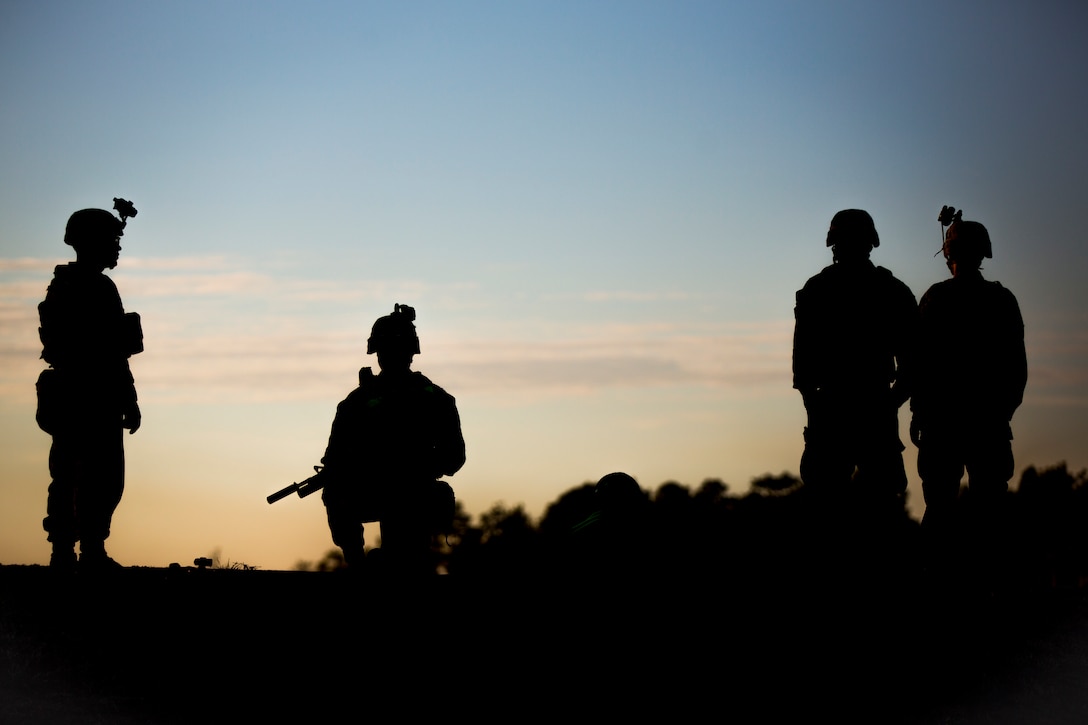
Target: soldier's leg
[(344, 525), (941, 468), (60, 505), (100, 490), (347, 533), (406, 541), (882, 475), (826, 470), (989, 467), (826, 466), (880, 487)]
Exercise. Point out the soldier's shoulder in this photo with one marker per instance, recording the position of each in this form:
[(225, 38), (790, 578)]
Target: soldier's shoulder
[(429, 386), (1000, 289), (899, 286), (937, 288), (77, 279), (888, 275), (63, 276), (364, 391), (422, 381), (936, 292), (353, 398), (1003, 297), (823, 278)]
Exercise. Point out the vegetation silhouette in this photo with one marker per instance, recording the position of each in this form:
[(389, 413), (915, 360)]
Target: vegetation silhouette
[(774, 536), (773, 533), (756, 607)]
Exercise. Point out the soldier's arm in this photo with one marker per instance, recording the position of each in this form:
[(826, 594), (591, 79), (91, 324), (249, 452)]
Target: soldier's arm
[(919, 386), (345, 437), (450, 447), (131, 417), (906, 351), (1017, 360), (803, 379)]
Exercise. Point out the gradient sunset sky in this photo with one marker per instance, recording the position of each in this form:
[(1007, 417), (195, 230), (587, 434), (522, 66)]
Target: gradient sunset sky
[(600, 211)]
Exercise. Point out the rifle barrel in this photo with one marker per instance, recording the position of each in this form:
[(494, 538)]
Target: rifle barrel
[(282, 493)]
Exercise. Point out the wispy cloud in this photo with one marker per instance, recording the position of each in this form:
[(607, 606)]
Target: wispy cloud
[(215, 262), (29, 264), (264, 340), (630, 296), (285, 365), (188, 285)]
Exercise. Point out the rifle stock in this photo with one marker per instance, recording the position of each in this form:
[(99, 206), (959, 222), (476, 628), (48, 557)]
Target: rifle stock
[(302, 488)]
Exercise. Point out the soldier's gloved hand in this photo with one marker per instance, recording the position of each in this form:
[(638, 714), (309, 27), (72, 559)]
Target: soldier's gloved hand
[(131, 419), (915, 432)]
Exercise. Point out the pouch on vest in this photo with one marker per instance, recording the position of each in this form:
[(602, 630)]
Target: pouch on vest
[(49, 400), (133, 336)]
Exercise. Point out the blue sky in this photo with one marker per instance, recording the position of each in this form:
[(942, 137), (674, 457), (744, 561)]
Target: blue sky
[(601, 212)]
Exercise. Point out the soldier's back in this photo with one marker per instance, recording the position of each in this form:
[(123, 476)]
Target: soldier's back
[(850, 319)]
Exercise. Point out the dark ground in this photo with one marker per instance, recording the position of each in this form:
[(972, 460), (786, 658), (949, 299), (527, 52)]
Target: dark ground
[(153, 646)]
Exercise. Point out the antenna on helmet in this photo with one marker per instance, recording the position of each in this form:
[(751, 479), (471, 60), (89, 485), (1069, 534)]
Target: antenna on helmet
[(948, 216), (124, 209)]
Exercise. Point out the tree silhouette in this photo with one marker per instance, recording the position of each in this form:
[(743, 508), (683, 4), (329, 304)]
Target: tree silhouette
[(506, 543), (566, 512), (772, 538), (1048, 524)]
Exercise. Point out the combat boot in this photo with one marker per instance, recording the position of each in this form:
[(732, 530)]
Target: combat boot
[(63, 558), (93, 557)]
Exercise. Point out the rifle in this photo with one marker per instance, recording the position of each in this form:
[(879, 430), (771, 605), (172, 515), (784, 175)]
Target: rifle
[(302, 488)]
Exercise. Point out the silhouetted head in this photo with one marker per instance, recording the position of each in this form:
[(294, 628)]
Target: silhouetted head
[(95, 234), (852, 235), (966, 244), (617, 491), (393, 337)]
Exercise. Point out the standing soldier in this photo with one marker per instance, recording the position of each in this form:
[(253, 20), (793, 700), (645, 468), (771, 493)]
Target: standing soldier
[(853, 342), (971, 379), (392, 439), (87, 397)]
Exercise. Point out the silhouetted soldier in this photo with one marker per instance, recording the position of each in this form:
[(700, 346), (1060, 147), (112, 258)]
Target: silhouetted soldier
[(392, 438), (87, 397), (971, 379), (855, 325)]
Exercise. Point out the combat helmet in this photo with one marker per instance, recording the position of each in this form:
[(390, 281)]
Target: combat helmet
[(852, 226), (964, 239), (97, 225), (90, 226), (617, 491), (395, 330)]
